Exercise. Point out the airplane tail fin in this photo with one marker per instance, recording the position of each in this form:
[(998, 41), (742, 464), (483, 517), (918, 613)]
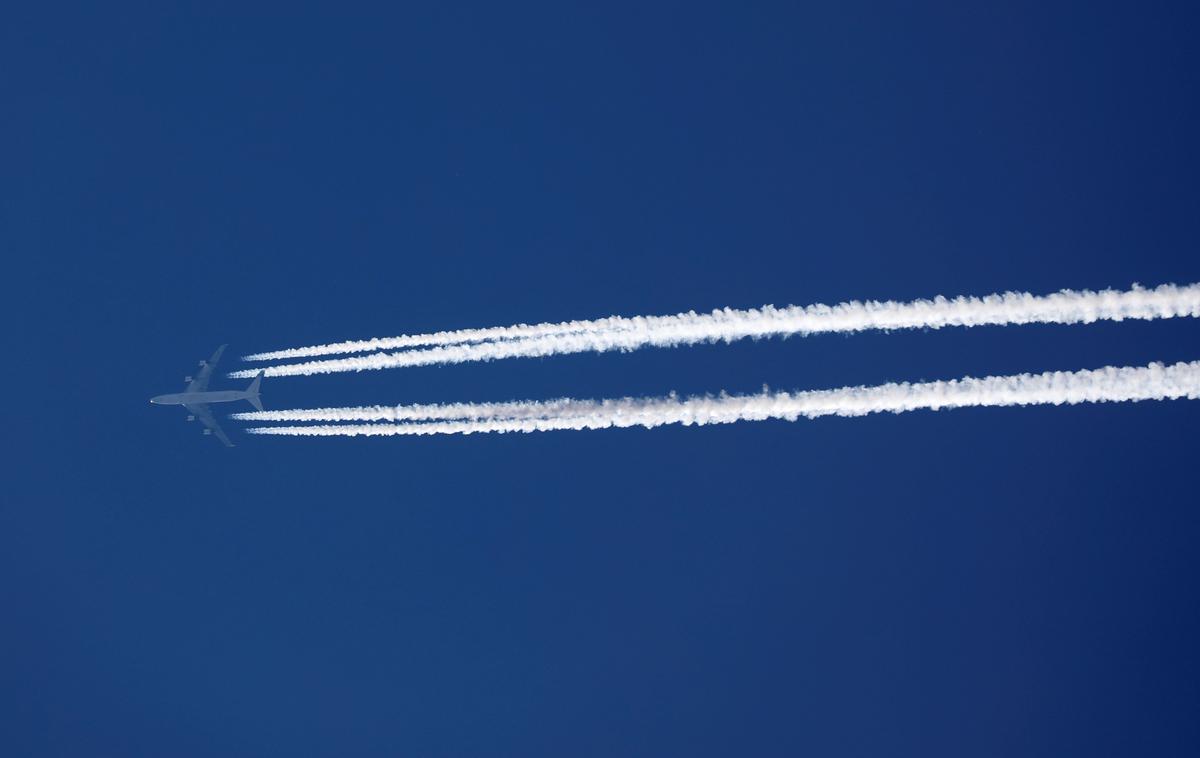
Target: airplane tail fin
[(252, 392)]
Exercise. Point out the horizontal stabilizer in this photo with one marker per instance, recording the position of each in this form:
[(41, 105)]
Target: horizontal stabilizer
[(252, 391)]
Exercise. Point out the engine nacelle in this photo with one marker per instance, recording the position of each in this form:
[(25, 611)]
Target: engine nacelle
[(187, 379), (208, 431), (191, 418)]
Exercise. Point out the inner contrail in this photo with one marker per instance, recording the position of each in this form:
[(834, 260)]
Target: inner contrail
[(1110, 384), (624, 334)]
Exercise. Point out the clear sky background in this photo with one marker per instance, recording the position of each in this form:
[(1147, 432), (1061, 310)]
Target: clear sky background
[(976, 582)]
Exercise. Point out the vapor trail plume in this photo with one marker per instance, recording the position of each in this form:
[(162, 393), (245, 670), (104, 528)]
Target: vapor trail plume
[(1110, 384), (434, 412), (625, 334), (454, 337)]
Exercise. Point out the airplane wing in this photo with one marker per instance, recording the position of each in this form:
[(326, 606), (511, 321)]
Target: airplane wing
[(200, 383), (201, 411)]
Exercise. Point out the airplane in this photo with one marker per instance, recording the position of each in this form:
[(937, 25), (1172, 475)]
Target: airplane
[(196, 397)]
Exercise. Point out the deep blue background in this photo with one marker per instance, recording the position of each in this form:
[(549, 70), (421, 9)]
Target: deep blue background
[(978, 582)]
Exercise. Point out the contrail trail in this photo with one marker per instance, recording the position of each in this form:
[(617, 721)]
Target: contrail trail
[(616, 323), (457, 411), (455, 337), (625, 334), (1110, 384)]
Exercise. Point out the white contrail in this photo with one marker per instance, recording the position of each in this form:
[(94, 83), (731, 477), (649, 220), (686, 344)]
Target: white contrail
[(1110, 384), (1066, 307), (434, 412), (612, 323), (455, 337)]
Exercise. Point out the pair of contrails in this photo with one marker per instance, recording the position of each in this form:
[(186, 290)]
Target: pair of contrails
[(1110, 384)]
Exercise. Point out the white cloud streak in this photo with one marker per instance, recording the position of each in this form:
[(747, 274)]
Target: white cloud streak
[(626, 334), (456, 411), (1110, 384), (454, 337)]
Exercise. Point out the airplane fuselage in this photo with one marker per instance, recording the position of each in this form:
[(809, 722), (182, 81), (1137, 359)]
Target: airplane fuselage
[(196, 397), (201, 398)]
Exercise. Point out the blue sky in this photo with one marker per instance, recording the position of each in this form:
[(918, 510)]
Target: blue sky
[(987, 581)]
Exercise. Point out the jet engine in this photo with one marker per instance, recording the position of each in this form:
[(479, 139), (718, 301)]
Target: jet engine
[(191, 418), (208, 431)]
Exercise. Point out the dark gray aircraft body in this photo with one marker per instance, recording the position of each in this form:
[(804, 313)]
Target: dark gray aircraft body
[(196, 397)]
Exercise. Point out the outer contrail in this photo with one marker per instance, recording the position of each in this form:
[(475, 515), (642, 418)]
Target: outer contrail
[(455, 337), (457, 411), (1110, 384), (618, 333), (621, 323)]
